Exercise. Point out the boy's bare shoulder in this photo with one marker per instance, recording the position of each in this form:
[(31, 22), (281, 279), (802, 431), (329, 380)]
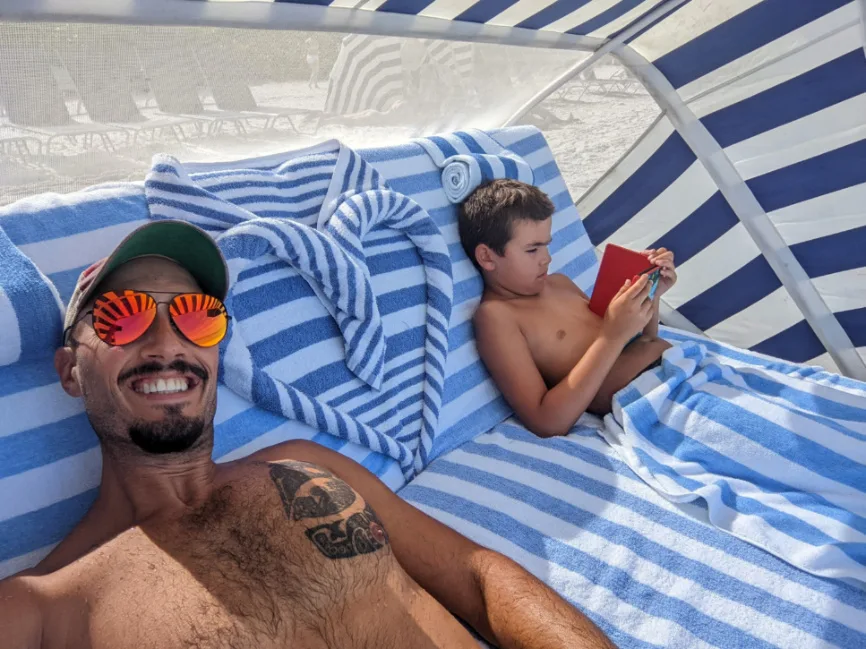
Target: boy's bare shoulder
[(564, 281), (492, 310)]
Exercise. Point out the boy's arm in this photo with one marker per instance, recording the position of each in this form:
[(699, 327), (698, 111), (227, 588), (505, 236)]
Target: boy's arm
[(664, 259), (652, 327), (506, 354)]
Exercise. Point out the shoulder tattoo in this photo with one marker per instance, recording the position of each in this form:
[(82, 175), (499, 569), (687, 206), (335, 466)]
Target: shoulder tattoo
[(309, 492)]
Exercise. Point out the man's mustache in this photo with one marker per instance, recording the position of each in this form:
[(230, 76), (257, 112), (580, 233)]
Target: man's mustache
[(153, 367)]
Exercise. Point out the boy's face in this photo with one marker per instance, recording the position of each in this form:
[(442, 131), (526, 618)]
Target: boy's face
[(523, 268)]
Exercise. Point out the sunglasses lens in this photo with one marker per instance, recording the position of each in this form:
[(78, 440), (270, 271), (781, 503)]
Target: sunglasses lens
[(201, 318), (121, 318)]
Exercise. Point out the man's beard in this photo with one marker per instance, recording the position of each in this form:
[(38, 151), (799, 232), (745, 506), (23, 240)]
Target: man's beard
[(174, 434)]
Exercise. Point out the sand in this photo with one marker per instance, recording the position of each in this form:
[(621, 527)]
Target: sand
[(596, 122), (601, 126)]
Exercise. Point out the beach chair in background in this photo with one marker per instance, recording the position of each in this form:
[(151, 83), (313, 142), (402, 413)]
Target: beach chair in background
[(35, 105), (102, 74), (228, 82), (174, 78)]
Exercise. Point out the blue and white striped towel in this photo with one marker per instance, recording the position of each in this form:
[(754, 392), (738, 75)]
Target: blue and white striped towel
[(777, 453), (30, 308), (649, 572), (269, 213), (471, 158)]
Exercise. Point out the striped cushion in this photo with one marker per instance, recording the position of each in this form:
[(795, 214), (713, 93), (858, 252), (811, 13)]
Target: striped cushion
[(647, 572)]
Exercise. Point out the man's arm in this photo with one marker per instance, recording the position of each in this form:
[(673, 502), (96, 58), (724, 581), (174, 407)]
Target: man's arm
[(506, 354), (493, 594), (20, 615)]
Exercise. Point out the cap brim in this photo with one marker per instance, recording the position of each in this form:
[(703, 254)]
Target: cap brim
[(187, 245)]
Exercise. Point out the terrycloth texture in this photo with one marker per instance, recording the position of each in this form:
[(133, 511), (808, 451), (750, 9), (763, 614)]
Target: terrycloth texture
[(268, 213), (30, 308), (472, 404), (49, 459), (777, 452), (469, 159), (648, 572)]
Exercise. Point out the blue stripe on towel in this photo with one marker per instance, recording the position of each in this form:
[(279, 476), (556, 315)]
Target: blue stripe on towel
[(668, 558), (43, 527), (621, 522), (654, 603), (45, 444), (655, 508), (695, 429)]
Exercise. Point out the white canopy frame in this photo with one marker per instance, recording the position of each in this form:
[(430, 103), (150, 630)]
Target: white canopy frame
[(863, 22), (750, 213), (279, 16)]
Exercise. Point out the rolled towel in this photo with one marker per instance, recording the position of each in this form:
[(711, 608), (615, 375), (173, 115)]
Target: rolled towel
[(471, 158), (463, 174)]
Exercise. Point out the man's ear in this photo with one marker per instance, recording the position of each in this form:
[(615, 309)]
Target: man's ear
[(485, 257), (67, 370)]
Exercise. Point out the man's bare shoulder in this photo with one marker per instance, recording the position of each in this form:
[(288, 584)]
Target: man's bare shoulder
[(297, 450), (21, 612)]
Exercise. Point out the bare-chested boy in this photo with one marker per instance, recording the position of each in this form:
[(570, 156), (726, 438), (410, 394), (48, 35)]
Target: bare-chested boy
[(552, 358)]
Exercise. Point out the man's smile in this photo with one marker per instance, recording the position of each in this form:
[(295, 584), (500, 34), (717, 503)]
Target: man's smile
[(164, 387), (175, 383)]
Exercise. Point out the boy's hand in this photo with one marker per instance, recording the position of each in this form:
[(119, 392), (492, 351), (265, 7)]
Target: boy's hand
[(630, 310), (664, 259)]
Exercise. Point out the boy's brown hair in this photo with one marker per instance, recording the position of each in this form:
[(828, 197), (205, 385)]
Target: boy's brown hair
[(487, 215)]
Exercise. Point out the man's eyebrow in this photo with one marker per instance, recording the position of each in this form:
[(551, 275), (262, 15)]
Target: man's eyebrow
[(536, 244)]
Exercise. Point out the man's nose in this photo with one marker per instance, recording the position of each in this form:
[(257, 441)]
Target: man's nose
[(162, 340)]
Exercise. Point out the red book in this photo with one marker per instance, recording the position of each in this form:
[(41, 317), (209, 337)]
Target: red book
[(617, 265)]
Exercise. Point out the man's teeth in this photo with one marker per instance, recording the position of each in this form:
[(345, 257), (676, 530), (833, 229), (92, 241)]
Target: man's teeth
[(162, 386)]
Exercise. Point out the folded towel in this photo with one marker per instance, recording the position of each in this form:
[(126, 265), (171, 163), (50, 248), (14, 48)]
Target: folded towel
[(312, 214), (339, 279), (470, 159), (777, 455)]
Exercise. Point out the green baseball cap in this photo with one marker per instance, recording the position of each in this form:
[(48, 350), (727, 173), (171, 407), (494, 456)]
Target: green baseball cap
[(181, 242)]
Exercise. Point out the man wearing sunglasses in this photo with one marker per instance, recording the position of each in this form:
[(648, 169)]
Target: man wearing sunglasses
[(295, 546)]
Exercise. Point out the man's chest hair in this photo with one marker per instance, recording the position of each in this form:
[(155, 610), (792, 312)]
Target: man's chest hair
[(289, 535), (293, 514), (281, 555)]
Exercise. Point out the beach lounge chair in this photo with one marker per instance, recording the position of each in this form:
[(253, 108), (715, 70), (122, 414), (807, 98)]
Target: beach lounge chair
[(34, 103), (569, 508), (174, 79), (225, 77), (101, 72)]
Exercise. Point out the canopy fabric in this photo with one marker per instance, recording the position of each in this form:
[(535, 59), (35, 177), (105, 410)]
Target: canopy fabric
[(596, 18), (755, 173)]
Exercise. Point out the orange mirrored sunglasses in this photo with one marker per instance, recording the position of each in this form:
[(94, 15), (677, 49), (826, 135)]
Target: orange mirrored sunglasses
[(120, 318)]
